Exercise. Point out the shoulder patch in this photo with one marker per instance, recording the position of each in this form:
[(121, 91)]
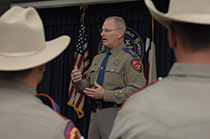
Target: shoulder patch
[(136, 64), (132, 53), (72, 132)]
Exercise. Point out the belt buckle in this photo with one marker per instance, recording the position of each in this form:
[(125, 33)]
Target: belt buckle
[(99, 105)]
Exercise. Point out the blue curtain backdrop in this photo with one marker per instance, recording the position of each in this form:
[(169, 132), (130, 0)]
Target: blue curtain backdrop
[(66, 20)]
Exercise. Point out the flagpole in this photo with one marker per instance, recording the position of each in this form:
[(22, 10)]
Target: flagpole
[(81, 60), (153, 46)]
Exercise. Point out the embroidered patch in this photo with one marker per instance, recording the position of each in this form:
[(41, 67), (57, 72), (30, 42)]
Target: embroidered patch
[(136, 65), (72, 132)]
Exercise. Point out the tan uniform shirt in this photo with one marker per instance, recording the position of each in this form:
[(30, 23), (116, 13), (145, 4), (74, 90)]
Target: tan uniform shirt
[(177, 107), (120, 77), (24, 116)]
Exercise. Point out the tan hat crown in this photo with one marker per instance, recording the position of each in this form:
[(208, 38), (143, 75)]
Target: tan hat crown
[(22, 40), (22, 28)]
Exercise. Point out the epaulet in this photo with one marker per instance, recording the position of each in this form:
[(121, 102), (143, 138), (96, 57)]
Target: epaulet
[(136, 63), (140, 89), (132, 53)]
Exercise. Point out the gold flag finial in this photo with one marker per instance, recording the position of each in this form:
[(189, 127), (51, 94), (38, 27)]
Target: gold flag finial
[(83, 7)]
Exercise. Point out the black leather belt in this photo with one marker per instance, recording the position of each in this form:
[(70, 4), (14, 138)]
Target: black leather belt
[(100, 104)]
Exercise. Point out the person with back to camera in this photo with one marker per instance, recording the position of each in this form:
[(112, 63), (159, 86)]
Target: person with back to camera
[(123, 74), (176, 107), (23, 54)]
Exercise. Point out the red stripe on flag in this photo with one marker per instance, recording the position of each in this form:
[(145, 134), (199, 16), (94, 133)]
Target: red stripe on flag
[(79, 101), (75, 57), (71, 92), (80, 62), (146, 72)]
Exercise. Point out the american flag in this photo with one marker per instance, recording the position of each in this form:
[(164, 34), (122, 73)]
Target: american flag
[(81, 60)]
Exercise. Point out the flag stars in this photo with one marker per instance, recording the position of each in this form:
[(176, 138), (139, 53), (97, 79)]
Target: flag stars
[(82, 39)]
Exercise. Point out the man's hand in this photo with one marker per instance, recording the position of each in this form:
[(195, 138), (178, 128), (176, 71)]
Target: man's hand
[(97, 93), (76, 75)]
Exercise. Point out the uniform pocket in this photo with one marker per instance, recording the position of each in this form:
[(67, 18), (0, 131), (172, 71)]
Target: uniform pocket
[(114, 76), (93, 74)]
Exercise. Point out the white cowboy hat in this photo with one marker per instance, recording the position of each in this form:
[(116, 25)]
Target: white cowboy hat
[(188, 11), (22, 40)]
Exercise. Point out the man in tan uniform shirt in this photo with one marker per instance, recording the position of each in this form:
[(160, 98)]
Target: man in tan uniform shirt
[(23, 53), (176, 107), (123, 76)]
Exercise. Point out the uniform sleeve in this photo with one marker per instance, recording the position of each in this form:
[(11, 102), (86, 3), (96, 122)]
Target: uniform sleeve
[(134, 79), (81, 85)]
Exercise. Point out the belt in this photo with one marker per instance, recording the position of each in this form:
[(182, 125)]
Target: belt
[(100, 104)]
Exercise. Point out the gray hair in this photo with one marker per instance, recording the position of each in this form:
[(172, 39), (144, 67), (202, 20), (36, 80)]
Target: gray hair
[(119, 21)]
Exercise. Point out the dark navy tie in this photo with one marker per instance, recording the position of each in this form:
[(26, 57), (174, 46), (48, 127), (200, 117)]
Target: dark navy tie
[(102, 69)]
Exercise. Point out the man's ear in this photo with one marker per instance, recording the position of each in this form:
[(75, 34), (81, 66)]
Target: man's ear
[(40, 73), (41, 68), (121, 33), (172, 37)]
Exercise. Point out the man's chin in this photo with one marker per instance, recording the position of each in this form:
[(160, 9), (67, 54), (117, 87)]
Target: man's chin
[(104, 44)]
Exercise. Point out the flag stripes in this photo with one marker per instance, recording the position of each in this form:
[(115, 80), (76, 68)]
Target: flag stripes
[(81, 60)]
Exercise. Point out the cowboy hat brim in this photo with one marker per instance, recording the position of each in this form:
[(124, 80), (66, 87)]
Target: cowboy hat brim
[(188, 17), (53, 49)]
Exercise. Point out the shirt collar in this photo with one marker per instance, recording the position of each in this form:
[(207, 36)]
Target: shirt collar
[(117, 49), (17, 85), (184, 69)]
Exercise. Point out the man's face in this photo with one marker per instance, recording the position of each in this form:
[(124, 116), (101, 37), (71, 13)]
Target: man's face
[(110, 34)]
